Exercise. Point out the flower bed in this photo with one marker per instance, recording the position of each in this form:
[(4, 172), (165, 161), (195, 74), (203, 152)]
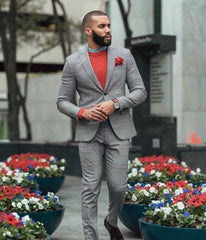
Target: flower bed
[(40, 164), (162, 169), (13, 227)]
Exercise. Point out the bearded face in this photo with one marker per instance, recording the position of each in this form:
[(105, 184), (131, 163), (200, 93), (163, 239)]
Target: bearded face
[(101, 41)]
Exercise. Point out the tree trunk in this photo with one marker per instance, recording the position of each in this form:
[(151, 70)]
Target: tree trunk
[(9, 52), (125, 17)]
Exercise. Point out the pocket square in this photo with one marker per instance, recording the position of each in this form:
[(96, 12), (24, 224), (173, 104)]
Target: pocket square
[(119, 61)]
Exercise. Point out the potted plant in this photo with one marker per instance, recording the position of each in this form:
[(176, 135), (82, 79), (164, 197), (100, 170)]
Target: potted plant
[(45, 209), (180, 214), (45, 167), (12, 227), (139, 196)]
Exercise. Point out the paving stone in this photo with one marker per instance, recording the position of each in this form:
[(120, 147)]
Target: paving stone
[(71, 225)]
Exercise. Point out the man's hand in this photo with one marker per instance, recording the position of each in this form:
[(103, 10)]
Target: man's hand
[(95, 114), (106, 107)]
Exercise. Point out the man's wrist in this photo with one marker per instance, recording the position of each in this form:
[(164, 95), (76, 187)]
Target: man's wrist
[(80, 113)]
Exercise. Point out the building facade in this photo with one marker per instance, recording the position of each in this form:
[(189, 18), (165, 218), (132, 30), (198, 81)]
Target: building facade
[(182, 18)]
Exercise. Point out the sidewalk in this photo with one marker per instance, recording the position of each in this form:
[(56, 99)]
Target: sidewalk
[(71, 225)]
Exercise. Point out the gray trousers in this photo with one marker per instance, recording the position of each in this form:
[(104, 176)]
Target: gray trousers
[(109, 151)]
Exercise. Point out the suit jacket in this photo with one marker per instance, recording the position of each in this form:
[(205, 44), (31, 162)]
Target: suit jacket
[(79, 76)]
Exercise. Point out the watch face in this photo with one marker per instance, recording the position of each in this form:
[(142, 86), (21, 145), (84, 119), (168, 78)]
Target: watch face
[(116, 105)]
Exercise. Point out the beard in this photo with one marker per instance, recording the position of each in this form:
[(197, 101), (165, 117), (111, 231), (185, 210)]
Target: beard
[(100, 40)]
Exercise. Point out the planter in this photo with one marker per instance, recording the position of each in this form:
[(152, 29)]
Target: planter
[(50, 219), (132, 183), (50, 184), (151, 231), (47, 237), (130, 214)]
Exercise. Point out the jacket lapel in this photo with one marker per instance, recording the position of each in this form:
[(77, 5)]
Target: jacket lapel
[(110, 66), (84, 57)]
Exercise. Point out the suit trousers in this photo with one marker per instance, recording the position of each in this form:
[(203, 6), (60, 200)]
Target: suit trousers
[(105, 149)]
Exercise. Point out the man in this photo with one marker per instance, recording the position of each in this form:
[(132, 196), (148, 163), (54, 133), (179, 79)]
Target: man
[(104, 125)]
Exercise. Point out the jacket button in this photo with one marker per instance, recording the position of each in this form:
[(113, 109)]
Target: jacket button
[(105, 94)]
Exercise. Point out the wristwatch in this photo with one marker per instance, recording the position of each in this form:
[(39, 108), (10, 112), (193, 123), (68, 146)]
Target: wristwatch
[(116, 104)]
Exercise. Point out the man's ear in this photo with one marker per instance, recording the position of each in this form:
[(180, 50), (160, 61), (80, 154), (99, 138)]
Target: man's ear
[(88, 31)]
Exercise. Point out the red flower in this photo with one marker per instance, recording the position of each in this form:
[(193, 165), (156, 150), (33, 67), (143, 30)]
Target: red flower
[(119, 61)]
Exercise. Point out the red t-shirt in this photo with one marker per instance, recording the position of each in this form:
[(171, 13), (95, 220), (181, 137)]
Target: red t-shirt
[(99, 64)]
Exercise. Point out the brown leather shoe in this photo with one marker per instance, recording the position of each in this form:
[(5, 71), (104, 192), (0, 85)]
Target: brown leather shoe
[(114, 232)]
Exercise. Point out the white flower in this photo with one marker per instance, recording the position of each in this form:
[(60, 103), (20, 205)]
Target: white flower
[(180, 205), (52, 158), (4, 178), (152, 172), (40, 206), (156, 210), (178, 191), (198, 170), (134, 172), (153, 190), (26, 218), (137, 162), (170, 160), (166, 190), (13, 204), (142, 170), (33, 200), (63, 160), (134, 198), (161, 184), (19, 205), (145, 192), (16, 215), (25, 201), (7, 233), (166, 210), (184, 164), (62, 168), (158, 174)]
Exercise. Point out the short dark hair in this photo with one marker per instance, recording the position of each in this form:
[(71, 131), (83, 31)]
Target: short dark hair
[(88, 17)]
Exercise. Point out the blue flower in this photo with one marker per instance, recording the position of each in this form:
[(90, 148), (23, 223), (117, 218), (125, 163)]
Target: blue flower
[(47, 197), (186, 190), (55, 199), (153, 206), (186, 214), (38, 192), (20, 197), (30, 166), (145, 174), (161, 204), (31, 177)]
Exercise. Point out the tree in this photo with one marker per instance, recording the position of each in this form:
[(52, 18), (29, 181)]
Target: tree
[(14, 25), (125, 15), (8, 41)]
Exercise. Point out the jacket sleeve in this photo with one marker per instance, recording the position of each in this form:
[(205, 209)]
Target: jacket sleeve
[(137, 92), (66, 96)]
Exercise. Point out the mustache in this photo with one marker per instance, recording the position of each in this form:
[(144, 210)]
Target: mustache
[(108, 35)]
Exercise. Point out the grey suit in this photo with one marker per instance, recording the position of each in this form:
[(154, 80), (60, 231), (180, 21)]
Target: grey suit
[(108, 141)]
